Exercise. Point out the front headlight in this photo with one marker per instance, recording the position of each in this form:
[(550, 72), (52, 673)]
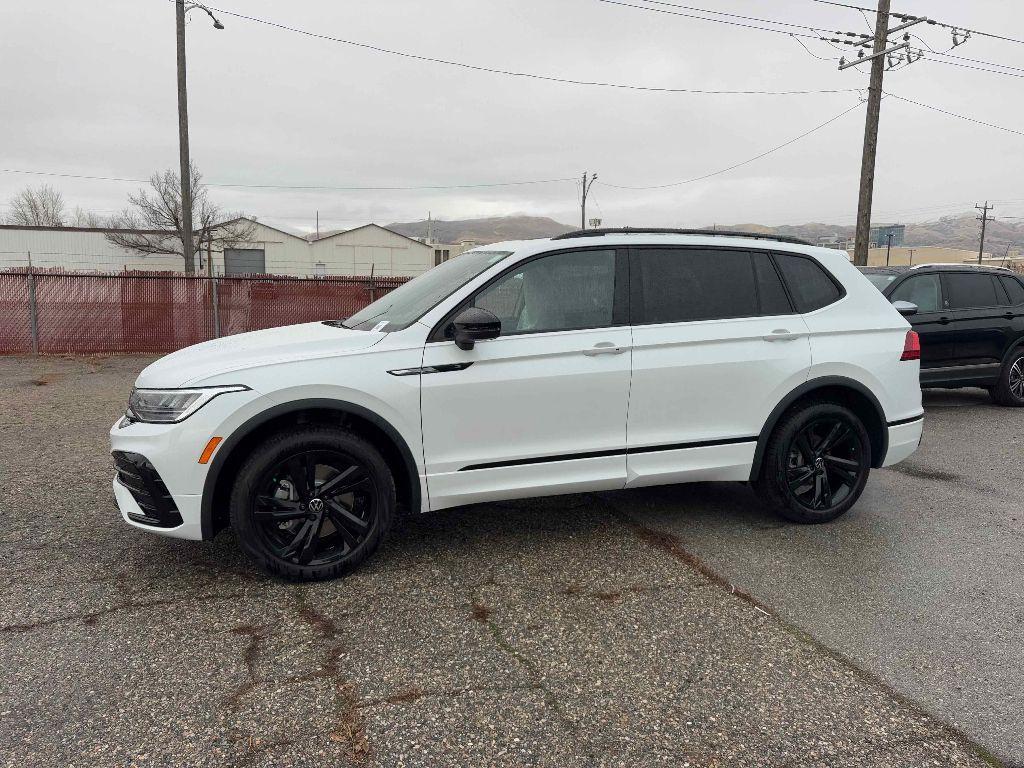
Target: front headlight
[(169, 406)]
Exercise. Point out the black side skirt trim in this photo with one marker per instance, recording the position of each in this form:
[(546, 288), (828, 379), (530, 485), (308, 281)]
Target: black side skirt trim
[(901, 422), (701, 444), (603, 454)]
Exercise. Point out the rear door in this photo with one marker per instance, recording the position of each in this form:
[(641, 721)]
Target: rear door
[(716, 345), (980, 318), (542, 408), (932, 321)]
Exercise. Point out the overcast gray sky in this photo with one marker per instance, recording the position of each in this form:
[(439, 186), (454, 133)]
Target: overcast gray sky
[(89, 88)]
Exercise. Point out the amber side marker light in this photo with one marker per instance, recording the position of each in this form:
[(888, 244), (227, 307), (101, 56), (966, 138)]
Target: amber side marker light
[(211, 446)]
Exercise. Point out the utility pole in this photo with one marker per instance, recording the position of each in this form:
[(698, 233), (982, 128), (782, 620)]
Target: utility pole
[(911, 263), (186, 165), (181, 7), (984, 220), (583, 204), (867, 160), (888, 247)]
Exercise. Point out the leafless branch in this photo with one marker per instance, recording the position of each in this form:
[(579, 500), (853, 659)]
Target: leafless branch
[(41, 206), (155, 215)]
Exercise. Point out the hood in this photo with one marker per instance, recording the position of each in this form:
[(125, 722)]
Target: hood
[(200, 362)]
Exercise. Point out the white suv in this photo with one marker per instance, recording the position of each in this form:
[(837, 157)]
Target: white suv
[(592, 361)]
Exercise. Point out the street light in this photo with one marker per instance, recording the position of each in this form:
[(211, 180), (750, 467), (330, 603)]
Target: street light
[(181, 9)]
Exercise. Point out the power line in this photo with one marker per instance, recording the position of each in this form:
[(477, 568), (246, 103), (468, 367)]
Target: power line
[(311, 187), (954, 114), (508, 72), (717, 21), (744, 162), (730, 15), (931, 21)]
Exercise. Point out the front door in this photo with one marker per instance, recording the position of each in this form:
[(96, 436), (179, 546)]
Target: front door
[(932, 321), (542, 408)]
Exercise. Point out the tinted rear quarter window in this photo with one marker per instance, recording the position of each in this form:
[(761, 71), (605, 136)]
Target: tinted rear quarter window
[(809, 284), (964, 290), (1014, 289), (678, 284)]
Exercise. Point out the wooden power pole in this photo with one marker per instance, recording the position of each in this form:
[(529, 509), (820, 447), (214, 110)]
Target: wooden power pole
[(185, 163), (867, 160), (984, 220)]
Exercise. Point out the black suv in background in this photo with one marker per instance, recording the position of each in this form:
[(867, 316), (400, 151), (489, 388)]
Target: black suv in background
[(970, 321)]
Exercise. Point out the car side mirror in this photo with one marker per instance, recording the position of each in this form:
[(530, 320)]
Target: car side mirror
[(474, 324), (905, 308)]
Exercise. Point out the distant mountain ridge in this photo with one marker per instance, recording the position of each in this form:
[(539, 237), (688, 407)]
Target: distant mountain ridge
[(959, 231), (488, 230)]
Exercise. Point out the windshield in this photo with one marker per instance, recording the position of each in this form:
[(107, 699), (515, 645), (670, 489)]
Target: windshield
[(408, 303), (880, 279)]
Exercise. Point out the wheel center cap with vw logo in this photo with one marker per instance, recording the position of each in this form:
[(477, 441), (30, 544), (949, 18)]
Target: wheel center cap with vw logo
[(316, 505)]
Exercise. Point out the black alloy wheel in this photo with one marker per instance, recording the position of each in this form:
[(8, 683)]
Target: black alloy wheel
[(315, 507), (312, 503), (1009, 390), (825, 463), (816, 464)]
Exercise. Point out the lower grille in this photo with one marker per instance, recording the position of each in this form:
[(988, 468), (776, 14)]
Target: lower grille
[(140, 477)]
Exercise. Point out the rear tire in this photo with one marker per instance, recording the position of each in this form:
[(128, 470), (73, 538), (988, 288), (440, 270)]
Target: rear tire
[(1009, 391), (312, 503), (816, 464)]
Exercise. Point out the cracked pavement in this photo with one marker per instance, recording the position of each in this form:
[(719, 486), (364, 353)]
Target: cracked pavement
[(568, 631)]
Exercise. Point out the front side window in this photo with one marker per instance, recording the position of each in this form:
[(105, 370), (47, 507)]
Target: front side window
[(674, 285), (809, 284), (560, 292), (965, 291), (408, 303), (923, 290)]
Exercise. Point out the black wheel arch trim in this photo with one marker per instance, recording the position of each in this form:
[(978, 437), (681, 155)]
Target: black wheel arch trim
[(804, 389), (295, 406), (1011, 353)]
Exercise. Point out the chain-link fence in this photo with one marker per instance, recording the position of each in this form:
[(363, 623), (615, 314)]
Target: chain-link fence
[(59, 312)]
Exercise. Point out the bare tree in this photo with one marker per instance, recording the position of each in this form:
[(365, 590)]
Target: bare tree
[(155, 214), (83, 218), (41, 206)]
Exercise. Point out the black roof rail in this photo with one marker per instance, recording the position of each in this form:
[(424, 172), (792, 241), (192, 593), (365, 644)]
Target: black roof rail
[(663, 231)]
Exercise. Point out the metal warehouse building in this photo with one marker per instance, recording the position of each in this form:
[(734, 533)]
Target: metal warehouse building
[(359, 251)]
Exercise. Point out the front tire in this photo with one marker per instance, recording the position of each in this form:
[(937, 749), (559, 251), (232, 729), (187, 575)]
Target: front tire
[(816, 464), (312, 503), (1009, 391)]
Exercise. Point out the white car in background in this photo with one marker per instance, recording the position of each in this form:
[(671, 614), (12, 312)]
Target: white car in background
[(593, 361)]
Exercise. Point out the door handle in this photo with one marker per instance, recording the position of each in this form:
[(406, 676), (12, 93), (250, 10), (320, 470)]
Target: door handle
[(604, 348), (944, 320), (781, 334), (1009, 315)]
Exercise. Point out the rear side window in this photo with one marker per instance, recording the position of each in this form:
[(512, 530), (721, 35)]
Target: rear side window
[(923, 290), (770, 290), (964, 290), (809, 283), (1014, 289), (674, 285)]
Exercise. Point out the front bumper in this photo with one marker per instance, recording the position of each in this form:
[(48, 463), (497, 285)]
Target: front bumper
[(188, 507), (903, 440), (172, 453)]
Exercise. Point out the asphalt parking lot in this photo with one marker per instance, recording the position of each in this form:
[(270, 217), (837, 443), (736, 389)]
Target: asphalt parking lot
[(671, 626)]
